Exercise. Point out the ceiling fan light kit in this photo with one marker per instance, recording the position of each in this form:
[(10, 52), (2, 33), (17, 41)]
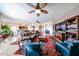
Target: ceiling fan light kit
[(37, 11)]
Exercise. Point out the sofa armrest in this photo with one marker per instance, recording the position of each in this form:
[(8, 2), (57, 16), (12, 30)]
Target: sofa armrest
[(63, 50)]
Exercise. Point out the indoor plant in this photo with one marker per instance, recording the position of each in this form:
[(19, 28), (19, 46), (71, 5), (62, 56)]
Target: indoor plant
[(5, 31)]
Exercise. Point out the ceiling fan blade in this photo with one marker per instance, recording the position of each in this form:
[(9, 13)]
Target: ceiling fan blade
[(31, 5), (44, 11), (42, 5), (32, 11)]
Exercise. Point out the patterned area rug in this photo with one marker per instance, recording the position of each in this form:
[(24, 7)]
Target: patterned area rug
[(19, 52), (49, 48)]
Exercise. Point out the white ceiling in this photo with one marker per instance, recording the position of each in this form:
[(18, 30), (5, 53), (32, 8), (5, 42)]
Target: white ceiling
[(19, 11)]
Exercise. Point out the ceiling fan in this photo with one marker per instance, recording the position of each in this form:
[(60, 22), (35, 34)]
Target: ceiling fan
[(38, 8), (37, 21)]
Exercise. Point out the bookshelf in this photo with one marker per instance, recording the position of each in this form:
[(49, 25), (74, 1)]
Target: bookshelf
[(66, 28)]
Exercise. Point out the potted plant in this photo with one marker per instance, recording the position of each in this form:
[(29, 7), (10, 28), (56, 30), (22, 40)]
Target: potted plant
[(5, 31)]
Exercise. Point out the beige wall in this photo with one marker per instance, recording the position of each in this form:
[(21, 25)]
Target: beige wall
[(73, 12)]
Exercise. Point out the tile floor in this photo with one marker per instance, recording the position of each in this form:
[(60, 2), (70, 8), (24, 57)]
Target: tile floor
[(6, 49)]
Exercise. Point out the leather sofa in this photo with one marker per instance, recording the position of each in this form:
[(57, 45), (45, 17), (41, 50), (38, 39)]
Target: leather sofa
[(62, 48)]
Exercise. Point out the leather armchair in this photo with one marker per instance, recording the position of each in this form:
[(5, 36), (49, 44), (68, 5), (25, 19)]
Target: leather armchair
[(32, 49), (62, 48)]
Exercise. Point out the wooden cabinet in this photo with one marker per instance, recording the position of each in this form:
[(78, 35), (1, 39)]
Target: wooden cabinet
[(67, 28)]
